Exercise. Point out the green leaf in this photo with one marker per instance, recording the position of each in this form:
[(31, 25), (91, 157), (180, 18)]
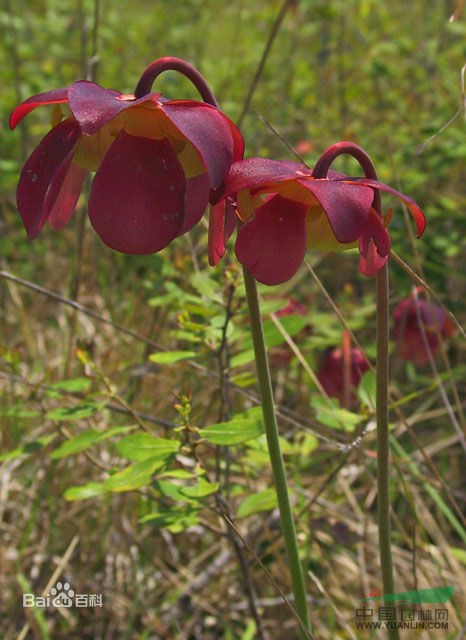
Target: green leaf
[(135, 476), (244, 379), (308, 444), (85, 491), (244, 357), (180, 474), (27, 449), (206, 286), (174, 491), (367, 389), (201, 489), (292, 325), (234, 431), (265, 500), (175, 520), (329, 413), (74, 385), (17, 411), (142, 446), (459, 554), (170, 357), (84, 440), (250, 631), (76, 412)]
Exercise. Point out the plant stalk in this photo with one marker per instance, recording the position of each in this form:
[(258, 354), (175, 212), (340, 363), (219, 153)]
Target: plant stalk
[(383, 447), (382, 298), (276, 459)]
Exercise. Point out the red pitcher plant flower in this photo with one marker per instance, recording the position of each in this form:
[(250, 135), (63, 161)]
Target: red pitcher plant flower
[(285, 207), (156, 162), (408, 315)]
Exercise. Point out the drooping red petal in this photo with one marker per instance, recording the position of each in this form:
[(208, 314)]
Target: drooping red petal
[(370, 262), (49, 97), (136, 203), (52, 156), (347, 206), (64, 203), (374, 246), (196, 199), (272, 244), (93, 106), (210, 131), (216, 232), (413, 207), (254, 172), (222, 222)]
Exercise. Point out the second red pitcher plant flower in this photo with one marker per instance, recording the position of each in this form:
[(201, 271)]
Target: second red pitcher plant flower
[(285, 207), (156, 162)]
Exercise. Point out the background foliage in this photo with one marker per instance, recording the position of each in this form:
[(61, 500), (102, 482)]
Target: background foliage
[(105, 417)]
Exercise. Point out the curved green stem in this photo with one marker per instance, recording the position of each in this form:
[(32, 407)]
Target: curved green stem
[(276, 459)]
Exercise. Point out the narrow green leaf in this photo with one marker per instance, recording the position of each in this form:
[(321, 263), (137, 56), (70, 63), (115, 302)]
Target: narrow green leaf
[(174, 491), (74, 385), (17, 412), (85, 491), (27, 449), (202, 489), (142, 446), (180, 474), (459, 554), (265, 500), (244, 379), (328, 412), (244, 357), (84, 440), (250, 631), (135, 476), (170, 357), (234, 431), (175, 520), (76, 412), (206, 286), (367, 389), (292, 324)]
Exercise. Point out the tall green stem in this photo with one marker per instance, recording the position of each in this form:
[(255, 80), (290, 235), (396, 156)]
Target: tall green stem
[(383, 448), (383, 298), (276, 459)]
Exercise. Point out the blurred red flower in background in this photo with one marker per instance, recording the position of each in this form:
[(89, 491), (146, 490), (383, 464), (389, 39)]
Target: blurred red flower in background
[(332, 376), (156, 162), (341, 371), (408, 316), (285, 210)]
